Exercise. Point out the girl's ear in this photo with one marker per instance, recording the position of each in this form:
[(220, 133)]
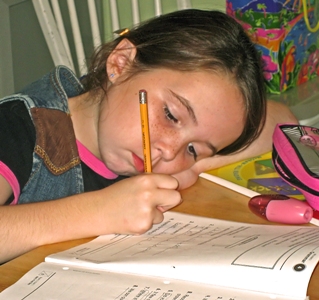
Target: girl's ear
[(120, 60)]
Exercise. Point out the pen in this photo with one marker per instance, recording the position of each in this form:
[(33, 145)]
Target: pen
[(145, 131)]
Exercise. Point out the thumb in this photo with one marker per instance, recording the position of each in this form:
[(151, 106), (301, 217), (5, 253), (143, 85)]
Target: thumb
[(186, 178)]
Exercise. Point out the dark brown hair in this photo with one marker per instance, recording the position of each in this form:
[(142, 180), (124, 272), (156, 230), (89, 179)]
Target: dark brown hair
[(194, 40)]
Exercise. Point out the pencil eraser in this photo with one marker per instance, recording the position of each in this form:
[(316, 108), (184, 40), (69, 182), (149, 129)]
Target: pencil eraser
[(281, 209)]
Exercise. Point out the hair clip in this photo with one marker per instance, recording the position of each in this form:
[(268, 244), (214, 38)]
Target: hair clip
[(121, 32)]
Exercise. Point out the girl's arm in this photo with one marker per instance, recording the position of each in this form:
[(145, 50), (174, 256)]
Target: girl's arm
[(130, 206), (276, 113)]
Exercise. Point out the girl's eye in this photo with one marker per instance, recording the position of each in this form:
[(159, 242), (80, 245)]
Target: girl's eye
[(169, 115), (191, 150)]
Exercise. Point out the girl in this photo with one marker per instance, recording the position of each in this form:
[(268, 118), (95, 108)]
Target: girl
[(71, 151)]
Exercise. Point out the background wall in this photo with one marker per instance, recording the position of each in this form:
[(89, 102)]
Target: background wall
[(24, 55), (147, 9)]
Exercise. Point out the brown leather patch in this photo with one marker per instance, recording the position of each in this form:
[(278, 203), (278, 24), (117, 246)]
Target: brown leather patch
[(55, 142)]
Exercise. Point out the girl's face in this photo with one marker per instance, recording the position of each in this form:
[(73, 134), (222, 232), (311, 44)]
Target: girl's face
[(191, 116)]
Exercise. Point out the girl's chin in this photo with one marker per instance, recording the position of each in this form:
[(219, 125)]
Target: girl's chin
[(121, 167), (127, 172), (123, 171)]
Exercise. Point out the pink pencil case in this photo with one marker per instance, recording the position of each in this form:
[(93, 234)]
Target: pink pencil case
[(296, 159)]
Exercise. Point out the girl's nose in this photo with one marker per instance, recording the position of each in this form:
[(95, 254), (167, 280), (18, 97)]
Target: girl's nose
[(166, 150)]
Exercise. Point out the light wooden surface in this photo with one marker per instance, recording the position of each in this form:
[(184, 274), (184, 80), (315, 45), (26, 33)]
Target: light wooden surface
[(204, 198)]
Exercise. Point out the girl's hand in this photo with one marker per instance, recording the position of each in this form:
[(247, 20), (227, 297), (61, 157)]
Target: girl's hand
[(133, 205), (188, 177), (130, 206)]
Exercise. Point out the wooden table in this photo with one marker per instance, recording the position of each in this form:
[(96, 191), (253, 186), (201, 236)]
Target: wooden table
[(205, 198)]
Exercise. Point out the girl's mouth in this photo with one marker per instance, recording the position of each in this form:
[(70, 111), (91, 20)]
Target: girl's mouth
[(138, 163)]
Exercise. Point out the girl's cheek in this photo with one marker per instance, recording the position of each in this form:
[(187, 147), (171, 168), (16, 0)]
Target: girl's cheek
[(186, 162), (182, 166), (177, 165)]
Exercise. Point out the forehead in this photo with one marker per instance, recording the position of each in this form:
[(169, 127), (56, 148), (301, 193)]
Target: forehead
[(205, 81), (210, 90)]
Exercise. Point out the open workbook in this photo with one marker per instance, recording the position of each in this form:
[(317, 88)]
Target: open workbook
[(184, 257)]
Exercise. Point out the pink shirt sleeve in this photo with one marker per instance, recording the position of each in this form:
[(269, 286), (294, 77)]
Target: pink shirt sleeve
[(12, 180)]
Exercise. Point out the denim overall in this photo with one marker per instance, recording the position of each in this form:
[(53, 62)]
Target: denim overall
[(56, 170)]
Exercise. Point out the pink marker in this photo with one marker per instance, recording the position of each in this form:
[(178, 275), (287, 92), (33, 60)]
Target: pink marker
[(281, 209)]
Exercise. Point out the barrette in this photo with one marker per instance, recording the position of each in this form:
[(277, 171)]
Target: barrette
[(122, 31)]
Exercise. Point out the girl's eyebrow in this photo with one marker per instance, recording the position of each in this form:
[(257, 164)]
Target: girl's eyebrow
[(186, 104), (190, 110)]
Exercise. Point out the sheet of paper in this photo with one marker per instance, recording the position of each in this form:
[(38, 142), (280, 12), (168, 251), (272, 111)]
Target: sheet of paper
[(51, 281), (274, 259)]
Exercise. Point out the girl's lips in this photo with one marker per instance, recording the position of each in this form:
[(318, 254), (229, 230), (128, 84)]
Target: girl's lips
[(138, 163)]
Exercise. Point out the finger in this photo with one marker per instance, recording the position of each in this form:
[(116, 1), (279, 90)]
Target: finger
[(158, 217), (167, 199), (186, 178), (166, 181)]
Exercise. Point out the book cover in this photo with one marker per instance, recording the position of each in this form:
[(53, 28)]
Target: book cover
[(257, 174)]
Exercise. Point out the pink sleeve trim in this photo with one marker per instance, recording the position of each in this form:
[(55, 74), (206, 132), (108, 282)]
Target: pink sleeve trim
[(12, 180), (94, 163)]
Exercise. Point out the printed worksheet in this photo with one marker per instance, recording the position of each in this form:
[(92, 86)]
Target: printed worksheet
[(51, 281), (268, 259)]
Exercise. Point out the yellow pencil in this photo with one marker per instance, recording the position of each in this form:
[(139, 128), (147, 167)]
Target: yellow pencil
[(145, 132)]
